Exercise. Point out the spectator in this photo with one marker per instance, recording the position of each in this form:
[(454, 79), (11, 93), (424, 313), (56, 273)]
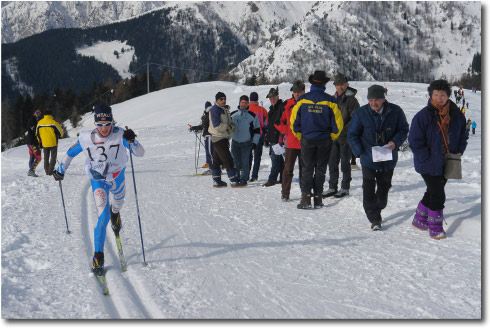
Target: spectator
[(48, 131), (378, 123), (204, 129), (263, 117), (436, 130), (273, 136), (33, 144)]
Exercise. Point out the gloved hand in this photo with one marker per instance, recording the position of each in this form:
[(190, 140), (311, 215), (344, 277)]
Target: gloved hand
[(195, 128), (129, 135), (58, 176)]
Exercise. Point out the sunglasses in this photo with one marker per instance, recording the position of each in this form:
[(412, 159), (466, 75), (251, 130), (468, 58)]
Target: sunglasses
[(103, 124), (37, 113), (221, 99)]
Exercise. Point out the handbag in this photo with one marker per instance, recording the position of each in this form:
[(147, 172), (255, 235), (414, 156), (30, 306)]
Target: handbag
[(451, 161), (452, 166)]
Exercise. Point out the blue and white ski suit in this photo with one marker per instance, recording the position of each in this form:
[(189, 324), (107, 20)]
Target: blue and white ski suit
[(104, 165)]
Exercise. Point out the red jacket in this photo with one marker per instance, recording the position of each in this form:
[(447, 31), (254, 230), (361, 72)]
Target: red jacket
[(285, 126), (261, 113)]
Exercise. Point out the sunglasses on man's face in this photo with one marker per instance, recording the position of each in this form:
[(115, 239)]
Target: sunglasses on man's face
[(103, 124), (37, 113), (221, 99)]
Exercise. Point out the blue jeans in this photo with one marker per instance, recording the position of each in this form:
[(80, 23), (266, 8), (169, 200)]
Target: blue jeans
[(277, 166), (241, 153)]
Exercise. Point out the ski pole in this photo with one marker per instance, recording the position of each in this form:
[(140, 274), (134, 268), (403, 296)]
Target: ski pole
[(137, 207), (195, 158), (64, 209)]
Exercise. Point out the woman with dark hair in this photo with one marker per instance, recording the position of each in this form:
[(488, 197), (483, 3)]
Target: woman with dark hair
[(438, 129)]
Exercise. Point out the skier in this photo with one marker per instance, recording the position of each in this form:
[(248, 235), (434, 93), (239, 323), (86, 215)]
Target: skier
[(105, 163), (33, 144), (473, 126), (48, 131), (203, 127)]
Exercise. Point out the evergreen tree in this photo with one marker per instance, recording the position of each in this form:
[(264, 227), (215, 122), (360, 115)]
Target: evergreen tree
[(184, 80), (8, 124), (75, 117), (166, 80)]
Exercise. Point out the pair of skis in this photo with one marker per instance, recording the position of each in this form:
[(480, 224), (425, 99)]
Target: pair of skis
[(101, 278)]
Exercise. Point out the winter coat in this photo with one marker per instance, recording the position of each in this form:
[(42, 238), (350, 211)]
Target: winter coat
[(220, 123), (31, 132), (275, 113), (368, 129), (347, 104), (262, 115), (473, 125), (247, 126), (285, 126), (316, 116), (48, 131), (426, 141)]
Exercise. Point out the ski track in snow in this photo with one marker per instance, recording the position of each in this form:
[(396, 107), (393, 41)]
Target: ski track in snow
[(238, 253)]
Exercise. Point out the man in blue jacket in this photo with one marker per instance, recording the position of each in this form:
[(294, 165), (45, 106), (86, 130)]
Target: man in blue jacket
[(245, 137), (315, 120), (378, 123)]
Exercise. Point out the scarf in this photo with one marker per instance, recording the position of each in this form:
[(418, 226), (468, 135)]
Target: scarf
[(443, 114)]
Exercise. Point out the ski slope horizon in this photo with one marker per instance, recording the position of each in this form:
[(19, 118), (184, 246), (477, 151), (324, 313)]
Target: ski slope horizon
[(236, 253)]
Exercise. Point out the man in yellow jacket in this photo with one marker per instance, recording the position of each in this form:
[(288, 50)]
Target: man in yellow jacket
[(48, 131)]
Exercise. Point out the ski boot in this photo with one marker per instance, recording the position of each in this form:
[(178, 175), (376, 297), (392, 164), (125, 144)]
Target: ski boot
[(115, 222), (98, 263), (31, 173)]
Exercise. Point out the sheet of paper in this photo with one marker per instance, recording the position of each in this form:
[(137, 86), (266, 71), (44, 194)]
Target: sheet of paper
[(381, 154), (278, 149)]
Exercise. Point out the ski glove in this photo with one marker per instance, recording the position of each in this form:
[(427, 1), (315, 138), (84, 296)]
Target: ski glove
[(129, 135), (58, 176)]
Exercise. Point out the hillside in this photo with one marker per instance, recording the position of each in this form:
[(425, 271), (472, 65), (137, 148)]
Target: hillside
[(237, 253)]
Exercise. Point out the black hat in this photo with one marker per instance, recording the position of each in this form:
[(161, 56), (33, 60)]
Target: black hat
[(319, 78), (102, 112), (220, 95), (376, 92), (207, 104), (254, 96), (298, 86), (273, 93), (340, 79), (244, 97)]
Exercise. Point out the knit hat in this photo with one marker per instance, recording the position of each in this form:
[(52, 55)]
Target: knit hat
[(376, 92), (244, 97), (273, 92), (298, 86), (319, 78), (102, 112), (220, 95), (207, 104), (339, 79), (254, 96)]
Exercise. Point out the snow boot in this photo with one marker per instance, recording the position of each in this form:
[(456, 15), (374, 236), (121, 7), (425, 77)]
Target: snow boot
[(305, 201), (420, 218), (98, 263), (284, 198), (31, 173), (235, 179), (115, 222), (376, 225), (317, 201), (217, 183), (329, 193), (342, 193), (435, 218)]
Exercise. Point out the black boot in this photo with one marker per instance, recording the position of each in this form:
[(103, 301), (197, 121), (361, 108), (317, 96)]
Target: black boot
[(317, 201), (305, 201), (115, 222), (98, 263)]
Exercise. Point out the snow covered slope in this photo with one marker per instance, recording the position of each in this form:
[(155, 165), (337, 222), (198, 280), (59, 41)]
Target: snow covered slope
[(236, 253)]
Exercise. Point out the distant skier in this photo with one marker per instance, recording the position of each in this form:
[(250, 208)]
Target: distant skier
[(203, 128), (33, 144), (105, 163), (473, 126)]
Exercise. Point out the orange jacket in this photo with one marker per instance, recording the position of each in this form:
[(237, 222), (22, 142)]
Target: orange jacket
[(285, 126), (261, 113)]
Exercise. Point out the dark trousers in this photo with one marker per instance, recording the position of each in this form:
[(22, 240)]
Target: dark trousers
[(474, 130), (256, 155), (222, 155), (435, 196), (375, 187), (277, 166), (208, 145), (314, 156), (287, 173), (241, 153), (340, 153), (50, 154)]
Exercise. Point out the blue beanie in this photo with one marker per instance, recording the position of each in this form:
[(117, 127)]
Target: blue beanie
[(102, 112)]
